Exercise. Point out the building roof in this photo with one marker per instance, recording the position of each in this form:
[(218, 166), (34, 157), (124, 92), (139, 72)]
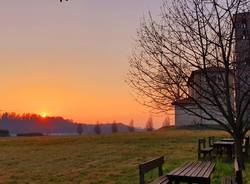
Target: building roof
[(184, 101), (208, 70)]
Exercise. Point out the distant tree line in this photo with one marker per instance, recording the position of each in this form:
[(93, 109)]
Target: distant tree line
[(34, 123), (26, 123)]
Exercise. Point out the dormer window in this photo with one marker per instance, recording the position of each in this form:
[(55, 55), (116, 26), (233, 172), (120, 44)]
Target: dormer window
[(219, 79), (244, 23), (244, 35)]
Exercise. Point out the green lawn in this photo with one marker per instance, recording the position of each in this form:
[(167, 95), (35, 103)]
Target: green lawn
[(99, 159)]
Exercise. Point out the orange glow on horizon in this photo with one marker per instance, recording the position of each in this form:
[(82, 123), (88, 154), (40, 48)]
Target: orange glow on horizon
[(78, 72)]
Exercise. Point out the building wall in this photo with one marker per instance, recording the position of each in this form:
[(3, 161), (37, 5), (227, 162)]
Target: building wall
[(184, 117), (242, 52)]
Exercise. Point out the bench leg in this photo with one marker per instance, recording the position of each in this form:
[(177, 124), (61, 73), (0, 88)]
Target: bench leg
[(207, 181)]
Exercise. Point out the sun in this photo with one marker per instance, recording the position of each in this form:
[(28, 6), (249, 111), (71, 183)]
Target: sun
[(44, 115)]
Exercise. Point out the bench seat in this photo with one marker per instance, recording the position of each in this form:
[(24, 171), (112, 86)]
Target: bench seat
[(161, 180), (228, 180), (233, 179)]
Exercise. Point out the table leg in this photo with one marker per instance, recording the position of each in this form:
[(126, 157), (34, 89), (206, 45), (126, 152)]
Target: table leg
[(230, 152), (171, 181), (206, 181)]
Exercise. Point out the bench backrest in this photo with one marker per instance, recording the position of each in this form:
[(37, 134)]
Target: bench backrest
[(238, 177), (211, 141), (147, 166), (201, 143)]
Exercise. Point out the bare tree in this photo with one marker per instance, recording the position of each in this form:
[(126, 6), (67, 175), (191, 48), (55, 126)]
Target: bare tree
[(166, 122), (197, 51), (97, 128), (114, 127), (149, 124), (131, 126), (79, 129)]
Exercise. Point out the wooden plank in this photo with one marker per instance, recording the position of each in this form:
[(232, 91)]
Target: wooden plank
[(199, 169), (161, 180), (209, 171), (205, 168), (179, 169), (147, 166), (194, 164), (228, 180), (222, 143), (193, 169)]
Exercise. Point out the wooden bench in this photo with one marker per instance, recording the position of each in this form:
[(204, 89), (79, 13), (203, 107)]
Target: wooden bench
[(150, 165), (233, 179), (203, 150)]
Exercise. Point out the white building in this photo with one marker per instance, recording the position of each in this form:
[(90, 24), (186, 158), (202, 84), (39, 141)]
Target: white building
[(187, 112), (196, 81)]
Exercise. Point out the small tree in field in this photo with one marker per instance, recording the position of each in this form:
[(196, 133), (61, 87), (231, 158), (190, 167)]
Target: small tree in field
[(97, 128), (166, 122), (114, 127), (149, 124), (197, 38), (131, 126), (79, 129)]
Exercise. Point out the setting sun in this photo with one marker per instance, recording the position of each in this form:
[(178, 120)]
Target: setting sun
[(44, 115)]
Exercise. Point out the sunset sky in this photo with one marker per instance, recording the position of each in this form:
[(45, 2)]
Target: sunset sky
[(71, 59)]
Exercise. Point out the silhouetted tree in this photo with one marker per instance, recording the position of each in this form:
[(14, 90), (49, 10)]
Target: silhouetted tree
[(114, 127), (79, 129), (149, 124), (197, 36), (166, 122), (97, 128), (131, 126)]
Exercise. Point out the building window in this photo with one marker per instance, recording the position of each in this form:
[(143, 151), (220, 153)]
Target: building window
[(219, 79)]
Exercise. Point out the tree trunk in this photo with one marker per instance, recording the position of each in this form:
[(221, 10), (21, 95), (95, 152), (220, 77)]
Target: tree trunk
[(240, 157)]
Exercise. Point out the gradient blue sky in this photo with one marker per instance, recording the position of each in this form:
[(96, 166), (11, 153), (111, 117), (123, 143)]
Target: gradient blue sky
[(70, 58)]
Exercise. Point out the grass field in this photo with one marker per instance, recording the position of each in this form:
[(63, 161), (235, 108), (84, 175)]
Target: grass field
[(99, 159)]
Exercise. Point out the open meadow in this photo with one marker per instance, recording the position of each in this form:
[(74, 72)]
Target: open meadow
[(110, 159)]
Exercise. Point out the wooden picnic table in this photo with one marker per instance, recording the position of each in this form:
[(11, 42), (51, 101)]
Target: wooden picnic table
[(192, 172), (226, 145)]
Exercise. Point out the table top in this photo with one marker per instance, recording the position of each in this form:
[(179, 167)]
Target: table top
[(223, 143), (193, 171), (228, 139)]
